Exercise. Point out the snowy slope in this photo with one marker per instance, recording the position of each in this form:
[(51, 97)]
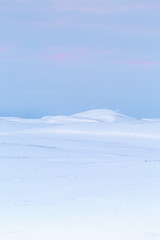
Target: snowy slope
[(104, 115), (91, 176)]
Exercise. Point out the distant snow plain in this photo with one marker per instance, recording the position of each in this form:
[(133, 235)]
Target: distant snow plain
[(88, 176)]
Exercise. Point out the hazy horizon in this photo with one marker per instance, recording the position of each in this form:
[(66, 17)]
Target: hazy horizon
[(73, 113)]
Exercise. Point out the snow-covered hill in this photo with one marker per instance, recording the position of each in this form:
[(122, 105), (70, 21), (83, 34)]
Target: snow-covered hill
[(92, 175), (104, 115)]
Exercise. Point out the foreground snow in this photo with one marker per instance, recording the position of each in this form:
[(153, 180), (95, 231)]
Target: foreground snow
[(89, 176)]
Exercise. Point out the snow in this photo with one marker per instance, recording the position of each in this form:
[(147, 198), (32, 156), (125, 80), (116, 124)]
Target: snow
[(91, 176), (103, 115)]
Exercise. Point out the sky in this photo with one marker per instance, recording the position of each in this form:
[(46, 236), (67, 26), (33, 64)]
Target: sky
[(64, 56)]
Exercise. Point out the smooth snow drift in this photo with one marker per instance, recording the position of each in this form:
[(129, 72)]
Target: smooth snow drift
[(91, 176)]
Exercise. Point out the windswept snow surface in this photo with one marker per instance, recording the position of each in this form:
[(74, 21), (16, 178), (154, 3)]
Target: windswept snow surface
[(88, 176)]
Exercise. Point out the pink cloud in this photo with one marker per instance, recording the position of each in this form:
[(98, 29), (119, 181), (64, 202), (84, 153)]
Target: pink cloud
[(142, 63), (4, 49), (135, 62), (140, 6), (71, 22), (75, 54), (123, 27), (57, 56), (61, 56), (85, 6)]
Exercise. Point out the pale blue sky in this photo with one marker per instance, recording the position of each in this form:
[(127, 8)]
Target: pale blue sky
[(63, 57)]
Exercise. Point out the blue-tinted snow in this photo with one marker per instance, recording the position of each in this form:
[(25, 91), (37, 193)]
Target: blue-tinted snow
[(90, 176)]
